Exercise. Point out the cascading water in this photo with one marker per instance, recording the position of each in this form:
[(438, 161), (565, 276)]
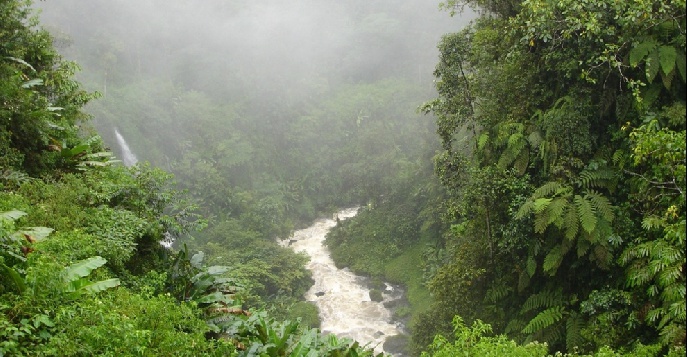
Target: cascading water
[(346, 309), (128, 157)]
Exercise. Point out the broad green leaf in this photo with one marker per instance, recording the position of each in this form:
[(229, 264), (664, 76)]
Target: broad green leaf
[(218, 269), (638, 53), (76, 150), (652, 66), (101, 285), (82, 268), (531, 266), (19, 60), (211, 298), (32, 83), (37, 233), (680, 64), (14, 277), (667, 56), (668, 79), (197, 259), (12, 215)]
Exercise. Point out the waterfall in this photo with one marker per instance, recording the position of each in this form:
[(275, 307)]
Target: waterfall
[(342, 297), (128, 157)]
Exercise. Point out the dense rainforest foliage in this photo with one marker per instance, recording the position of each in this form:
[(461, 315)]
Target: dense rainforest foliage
[(83, 267), (548, 215), (563, 155), (269, 114)]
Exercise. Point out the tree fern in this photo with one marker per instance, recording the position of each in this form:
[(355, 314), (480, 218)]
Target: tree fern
[(583, 246), (586, 213), (658, 265), (553, 260), (521, 162), (546, 298), (571, 222), (573, 326), (603, 177), (602, 256), (555, 212), (544, 319), (547, 189), (515, 325), (516, 144), (601, 205)]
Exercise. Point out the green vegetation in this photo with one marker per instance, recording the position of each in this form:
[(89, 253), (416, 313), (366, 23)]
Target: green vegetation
[(563, 154), (83, 269), (549, 209)]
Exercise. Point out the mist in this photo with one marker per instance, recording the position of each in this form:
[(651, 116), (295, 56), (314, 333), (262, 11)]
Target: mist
[(269, 114), (320, 97), (219, 46)]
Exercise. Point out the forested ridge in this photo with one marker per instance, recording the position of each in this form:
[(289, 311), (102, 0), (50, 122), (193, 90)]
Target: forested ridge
[(546, 217)]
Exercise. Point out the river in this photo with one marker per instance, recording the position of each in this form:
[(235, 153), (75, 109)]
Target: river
[(342, 297)]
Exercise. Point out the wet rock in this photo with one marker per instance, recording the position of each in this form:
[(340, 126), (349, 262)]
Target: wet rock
[(379, 334), (319, 293), (398, 345), (376, 295), (291, 241), (391, 304)]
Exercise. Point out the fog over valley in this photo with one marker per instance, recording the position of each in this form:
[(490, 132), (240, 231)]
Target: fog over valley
[(358, 178)]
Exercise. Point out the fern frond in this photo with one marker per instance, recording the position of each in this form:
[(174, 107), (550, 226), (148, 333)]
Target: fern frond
[(602, 177), (482, 141), (553, 260), (582, 247), (573, 325), (602, 256), (652, 222), (515, 325), (541, 221), (549, 211), (545, 319), (571, 222), (602, 205), (555, 211), (525, 209), (586, 213), (521, 162), (541, 203), (553, 334), (670, 274), (565, 246), (497, 292), (531, 266), (674, 292), (534, 139), (547, 189), (516, 144), (546, 298)]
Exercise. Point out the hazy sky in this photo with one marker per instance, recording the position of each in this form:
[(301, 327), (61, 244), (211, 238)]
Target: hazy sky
[(264, 39)]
